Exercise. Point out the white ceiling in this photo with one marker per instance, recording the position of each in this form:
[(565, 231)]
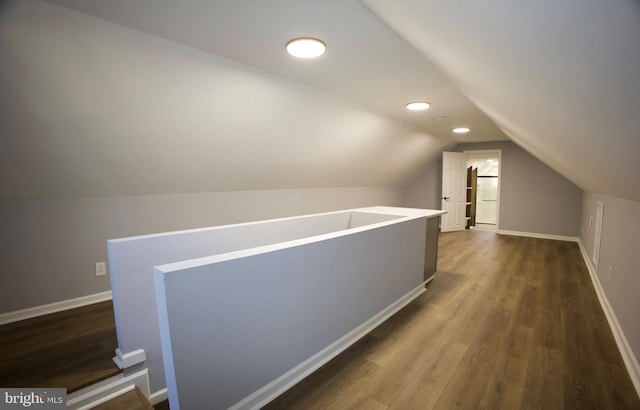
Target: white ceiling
[(366, 63), (559, 77), (154, 103)]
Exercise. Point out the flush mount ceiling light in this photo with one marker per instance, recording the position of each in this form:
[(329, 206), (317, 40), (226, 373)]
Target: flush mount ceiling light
[(418, 105), (306, 47), (461, 130)]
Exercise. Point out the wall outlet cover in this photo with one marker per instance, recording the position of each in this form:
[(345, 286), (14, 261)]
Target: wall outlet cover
[(101, 268)]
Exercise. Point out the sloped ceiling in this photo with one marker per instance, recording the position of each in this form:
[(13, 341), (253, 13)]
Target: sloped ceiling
[(561, 78), (128, 97), (150, 97)]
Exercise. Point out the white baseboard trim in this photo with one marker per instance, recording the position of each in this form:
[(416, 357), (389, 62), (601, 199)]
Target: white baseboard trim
[(538, 235), (630, 360), (272, 390), (126, 360), (36, 311), (160, 395), (108, 389)]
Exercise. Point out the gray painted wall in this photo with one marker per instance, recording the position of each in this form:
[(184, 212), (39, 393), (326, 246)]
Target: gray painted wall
[(90, 108), (618, 250), (49, 246), (426, 190), (533, 197)]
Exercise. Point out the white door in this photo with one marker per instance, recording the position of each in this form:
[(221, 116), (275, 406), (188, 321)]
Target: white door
[(454, 191)]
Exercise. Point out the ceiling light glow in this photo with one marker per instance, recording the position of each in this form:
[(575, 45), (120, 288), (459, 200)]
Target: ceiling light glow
[(461, 130), (306, 47), (418, 105)]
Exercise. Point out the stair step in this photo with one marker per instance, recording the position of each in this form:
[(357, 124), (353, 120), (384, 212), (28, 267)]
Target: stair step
[(132, 400), (70, 349)]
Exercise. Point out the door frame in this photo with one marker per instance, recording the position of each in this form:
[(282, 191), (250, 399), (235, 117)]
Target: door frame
[(489, 154)]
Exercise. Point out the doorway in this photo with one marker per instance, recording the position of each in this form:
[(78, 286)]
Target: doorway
[(486, 166)]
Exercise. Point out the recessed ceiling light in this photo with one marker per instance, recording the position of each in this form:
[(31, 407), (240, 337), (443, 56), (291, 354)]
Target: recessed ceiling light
[(418, 105), (306, 47), (461, 130)]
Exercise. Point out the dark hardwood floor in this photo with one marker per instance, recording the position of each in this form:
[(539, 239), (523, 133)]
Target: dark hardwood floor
[(133, 400), (508, 323), (70, 349)]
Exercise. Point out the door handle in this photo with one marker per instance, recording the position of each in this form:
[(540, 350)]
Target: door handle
[(446, 198)]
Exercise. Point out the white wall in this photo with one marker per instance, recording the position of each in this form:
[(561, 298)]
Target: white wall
[(49, 246), (231, 324)]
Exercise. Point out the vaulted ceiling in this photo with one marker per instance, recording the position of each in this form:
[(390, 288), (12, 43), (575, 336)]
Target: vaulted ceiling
[(560, 78), (128, 97)]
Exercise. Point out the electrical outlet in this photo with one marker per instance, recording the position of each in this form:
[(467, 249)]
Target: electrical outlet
[(610, 271), (101, 268)]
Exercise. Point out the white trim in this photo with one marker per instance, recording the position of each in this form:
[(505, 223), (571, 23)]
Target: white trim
[(489, 153), (597, 235), (42, 310), (278, 386), (107, 397), (630, 360), (538, 235), (126, 360), (108, 389), (160, 395)]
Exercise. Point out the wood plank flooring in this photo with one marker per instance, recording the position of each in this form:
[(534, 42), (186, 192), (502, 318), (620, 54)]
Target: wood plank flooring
[(133, 400), (70, 349), (508, 323)]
